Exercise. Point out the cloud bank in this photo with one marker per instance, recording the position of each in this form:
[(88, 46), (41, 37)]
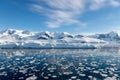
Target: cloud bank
[(68, 12)]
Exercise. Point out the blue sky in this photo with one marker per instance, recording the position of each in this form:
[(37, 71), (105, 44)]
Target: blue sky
[(73, 16)]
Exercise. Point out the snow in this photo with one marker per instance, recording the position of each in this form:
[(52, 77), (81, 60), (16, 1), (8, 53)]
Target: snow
[(111, 36), (12, 38)]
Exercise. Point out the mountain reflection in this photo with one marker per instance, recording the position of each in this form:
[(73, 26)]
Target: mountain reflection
[(59, 64)]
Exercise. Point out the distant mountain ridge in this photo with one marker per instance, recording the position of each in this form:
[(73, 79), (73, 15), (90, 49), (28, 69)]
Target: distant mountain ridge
[(111, 36), (12, 38)]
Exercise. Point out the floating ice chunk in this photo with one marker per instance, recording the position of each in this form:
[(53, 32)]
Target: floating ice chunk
[(108, 61), (46, 64), (73, 77), (18, 53), (33, 61), (67, 73), (46, 77), (94, 78), (54, 76), (32, 77), (90, 77), (23, 71), (1, 68), (52, 69), (110, 72), (88, 68), (22, 78), (113, 64), (82, 74), (95, 71), (94, 64), (17, 59), (49, 74), (112, 69), (85, 60), (110, 78), (103, 75), (116, 75), (3, 73)]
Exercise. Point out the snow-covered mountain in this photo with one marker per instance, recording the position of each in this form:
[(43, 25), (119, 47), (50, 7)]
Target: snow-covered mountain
[(112, 36), (12, 38)]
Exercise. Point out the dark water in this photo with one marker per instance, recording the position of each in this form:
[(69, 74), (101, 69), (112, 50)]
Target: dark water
[(60, 64)]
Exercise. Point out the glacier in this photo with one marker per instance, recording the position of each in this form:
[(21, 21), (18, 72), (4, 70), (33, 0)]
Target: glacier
[(21, 39)]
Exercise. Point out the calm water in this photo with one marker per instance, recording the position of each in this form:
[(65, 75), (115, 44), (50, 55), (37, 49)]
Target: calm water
[(60, 64)]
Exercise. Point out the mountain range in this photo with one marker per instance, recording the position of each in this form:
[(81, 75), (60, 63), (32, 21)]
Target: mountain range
[(12, 38)]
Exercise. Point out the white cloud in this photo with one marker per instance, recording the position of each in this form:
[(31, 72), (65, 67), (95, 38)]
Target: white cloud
[(67, 12), (97, 4), (114, 3)]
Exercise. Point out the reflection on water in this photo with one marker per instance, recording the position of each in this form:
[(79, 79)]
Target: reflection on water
[(60, 64)]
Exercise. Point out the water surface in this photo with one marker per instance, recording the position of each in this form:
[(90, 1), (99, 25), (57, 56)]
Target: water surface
[(60, 64)]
